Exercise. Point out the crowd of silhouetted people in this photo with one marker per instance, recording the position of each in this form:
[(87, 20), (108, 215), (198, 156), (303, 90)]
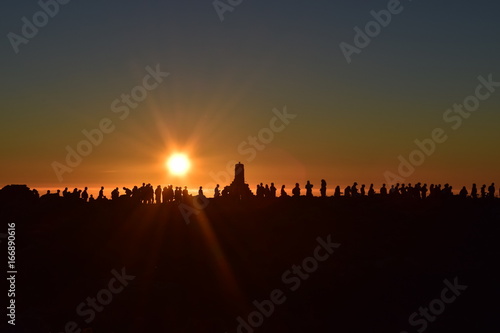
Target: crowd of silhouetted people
[(147, 194), (418, 191), (141, 194)]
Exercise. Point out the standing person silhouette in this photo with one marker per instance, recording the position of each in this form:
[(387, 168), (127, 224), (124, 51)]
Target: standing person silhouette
[(322, 190), (164, 194), (170, 193), (424, 191), (178, 194), (267, 191), (362, 190), (216, 191), (85, 195), (491, 191), (383, 190), (309, 187), (272, 190), (483, 191), (158, 194), (473, 192)]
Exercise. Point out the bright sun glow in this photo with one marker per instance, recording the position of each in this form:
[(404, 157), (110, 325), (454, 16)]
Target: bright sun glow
[(178, 164)]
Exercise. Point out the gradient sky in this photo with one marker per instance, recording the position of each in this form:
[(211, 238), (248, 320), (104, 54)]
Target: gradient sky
[(353, 120)]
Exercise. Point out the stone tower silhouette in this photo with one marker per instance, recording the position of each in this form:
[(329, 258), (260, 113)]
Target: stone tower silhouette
[(238, 188), (239, 174)]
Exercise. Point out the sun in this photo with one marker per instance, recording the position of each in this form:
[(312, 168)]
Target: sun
[(178, 164)]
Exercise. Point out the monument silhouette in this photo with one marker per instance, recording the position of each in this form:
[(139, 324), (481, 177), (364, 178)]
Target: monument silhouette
[(238, 188)]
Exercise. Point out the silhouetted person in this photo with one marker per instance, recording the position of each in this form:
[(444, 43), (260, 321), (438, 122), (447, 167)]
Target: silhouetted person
[(150, 194), (296, 190), (200, 191), (170, 193), (409, 190), (85, 195), (283, 193), (393, 191), (371, 191), (483, 191), (322, 189), (178, 194), (142, 193), (463, 192), (415, 191), (354, 190), (309, 187), (383, 190), (216, 191), (424, 191), (336, 194), (185, 193), (432, 191), (158, 194), (272, 190), (135, 194), (347, 192), (491, 191), (164, 194), (473, 192), (115, 194), (438, 190), (446, 190), (91, 199), (101, 193), (260, 190), (76, 193), (65, 193), (267, 191), (128, 192), (362, 190)]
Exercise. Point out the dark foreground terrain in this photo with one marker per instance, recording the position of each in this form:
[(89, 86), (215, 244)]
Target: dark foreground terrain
[(150, 271)]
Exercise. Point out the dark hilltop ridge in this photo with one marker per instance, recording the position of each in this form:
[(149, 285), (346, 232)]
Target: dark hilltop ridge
[(306, 264), (240, 190)]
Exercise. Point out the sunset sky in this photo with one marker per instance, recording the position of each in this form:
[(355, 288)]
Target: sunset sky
[(347, 121)]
